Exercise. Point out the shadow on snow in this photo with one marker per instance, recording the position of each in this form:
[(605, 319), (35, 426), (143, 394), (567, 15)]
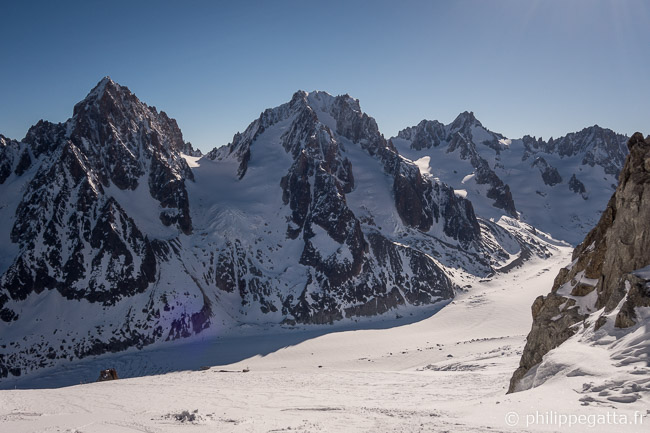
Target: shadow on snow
[(238, 345)]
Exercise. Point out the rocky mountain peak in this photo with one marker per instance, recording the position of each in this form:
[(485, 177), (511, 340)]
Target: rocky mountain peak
[(464, 137), (298, 99), (427, 133), (112, 139), (324, 102), (112, 121), (107, 84), (464, 120), (318, 97), (123, 118), (329, 139), (313, 116), (343, 115), (104, 93)]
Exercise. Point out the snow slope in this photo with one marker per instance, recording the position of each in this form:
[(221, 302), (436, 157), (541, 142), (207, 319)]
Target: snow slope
[(446, 372)]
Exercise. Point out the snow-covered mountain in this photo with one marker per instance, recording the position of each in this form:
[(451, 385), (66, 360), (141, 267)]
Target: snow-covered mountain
[(559, 186), (116, 234), (88, 210)]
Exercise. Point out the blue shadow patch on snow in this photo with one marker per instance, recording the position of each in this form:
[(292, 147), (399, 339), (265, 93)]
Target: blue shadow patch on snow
[(240, 344)]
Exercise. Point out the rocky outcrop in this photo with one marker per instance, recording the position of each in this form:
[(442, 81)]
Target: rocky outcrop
[(190, 150), (108, 374), (607, 272), (8, 150), (550, 175), (578, 187), (637, 285)]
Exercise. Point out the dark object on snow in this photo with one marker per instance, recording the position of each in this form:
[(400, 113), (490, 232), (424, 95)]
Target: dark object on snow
[(109, 374), (186, 416)]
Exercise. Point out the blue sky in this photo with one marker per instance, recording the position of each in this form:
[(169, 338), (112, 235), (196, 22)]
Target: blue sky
[(542, 67)]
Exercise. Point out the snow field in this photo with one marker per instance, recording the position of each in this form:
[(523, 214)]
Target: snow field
[(446, 372)]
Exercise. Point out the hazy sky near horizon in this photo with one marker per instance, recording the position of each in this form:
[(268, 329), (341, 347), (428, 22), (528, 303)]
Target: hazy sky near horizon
[(539, 67)]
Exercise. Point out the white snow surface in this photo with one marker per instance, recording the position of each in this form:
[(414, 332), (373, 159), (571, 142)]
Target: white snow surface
[(643, 272), (446, 371), (143, 208)]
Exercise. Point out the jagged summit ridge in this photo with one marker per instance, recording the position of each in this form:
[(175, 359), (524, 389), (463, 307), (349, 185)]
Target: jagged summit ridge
[(316, 107), (97, 92), (596, 145)]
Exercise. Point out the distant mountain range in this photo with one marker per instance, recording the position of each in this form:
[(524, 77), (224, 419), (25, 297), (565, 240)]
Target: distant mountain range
[(560, 186), (115, 233)]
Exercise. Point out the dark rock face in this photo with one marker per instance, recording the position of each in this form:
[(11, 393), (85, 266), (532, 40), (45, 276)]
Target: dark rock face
[(423, 203), (168, 188), (637, 296), (605, 263), (7, 151), (410, 191), (499, 191), (24, 163), (578, 187), (550, 175)]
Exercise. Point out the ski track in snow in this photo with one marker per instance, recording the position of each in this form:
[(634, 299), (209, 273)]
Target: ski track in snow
[(445, 373)]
